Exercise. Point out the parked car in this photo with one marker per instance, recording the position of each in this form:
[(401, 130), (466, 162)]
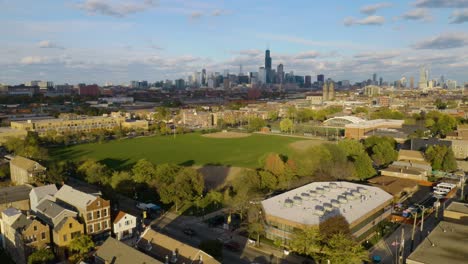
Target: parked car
[(232, 246), (189, 232)]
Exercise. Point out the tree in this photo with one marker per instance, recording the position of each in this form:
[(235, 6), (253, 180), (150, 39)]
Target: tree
[(307, 241), (274, 164), (214, 197), (441, 158), (41, 256), (28, 147), (162, 114), (256, 123), (81, 245), (256, 229), (268, 180), (94, 172), (334, 225), (187, 186), (143, 171), (383, 153), (273, 115), (4, 171), (363, 167), (56, 172), (121, 181), (286, 125), (340, 248)]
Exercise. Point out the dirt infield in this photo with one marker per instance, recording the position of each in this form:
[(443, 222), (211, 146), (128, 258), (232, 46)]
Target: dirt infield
[(227, 135), (305, 144)]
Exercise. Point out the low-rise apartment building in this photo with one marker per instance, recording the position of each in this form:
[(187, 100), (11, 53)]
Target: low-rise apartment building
[(24, 170), (93, 211), (22, 234), (37, 194)]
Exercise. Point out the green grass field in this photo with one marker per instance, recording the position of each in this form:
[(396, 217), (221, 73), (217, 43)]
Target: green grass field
[(189, 149)]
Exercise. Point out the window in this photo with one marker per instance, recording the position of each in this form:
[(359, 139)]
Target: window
[(65, 238), (35, 228), (90, 229), (127, 222), (98, 203), (90, 216), (75, 234), (43, 236), (105, 224), (104, 212), (98, 214), (70, 225)]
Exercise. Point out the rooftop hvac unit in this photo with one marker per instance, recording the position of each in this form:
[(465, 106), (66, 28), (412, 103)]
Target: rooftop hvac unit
[(328, 207), (342, 199), (362, 190), (326, 188), (335, 203), (305, 196), (319, 210), (288, 203), (313, 193), (319, 190), (333, 185), (297, 200)]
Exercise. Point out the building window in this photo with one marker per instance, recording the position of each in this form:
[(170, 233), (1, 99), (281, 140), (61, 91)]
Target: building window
[(90, 216), (35, 228), (65, 238), (105, 224), (70, 225), (90, 229), (98, 214), (98, 203), (104, 212), (75, 234), (43, 236)]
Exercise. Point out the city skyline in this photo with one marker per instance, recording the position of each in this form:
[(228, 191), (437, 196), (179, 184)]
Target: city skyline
[(97, 41)]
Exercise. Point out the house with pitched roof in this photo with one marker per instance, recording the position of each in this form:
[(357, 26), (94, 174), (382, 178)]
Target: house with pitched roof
[(93, 211), (124, 225), (37, 194), (116, 252), (63, 223), (24, 170), (22, 234)]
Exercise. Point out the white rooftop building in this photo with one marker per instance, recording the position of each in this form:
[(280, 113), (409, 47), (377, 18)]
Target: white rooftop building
[(362, 206)]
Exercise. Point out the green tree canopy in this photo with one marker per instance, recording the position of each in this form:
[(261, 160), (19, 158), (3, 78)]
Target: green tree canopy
[(94, 172), (143, 171), (441, 158), (41, 256), (340, 248), (28, 147), (81, 245), (256, 123), (286, 125), (307, 241)]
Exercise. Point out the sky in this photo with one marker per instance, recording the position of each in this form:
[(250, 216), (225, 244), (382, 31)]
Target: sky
[(99, 41)]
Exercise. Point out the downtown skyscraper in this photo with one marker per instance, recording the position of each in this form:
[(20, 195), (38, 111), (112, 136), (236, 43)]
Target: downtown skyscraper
[(268, 71)]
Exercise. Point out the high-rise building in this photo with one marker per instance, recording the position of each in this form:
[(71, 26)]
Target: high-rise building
[(262, 75), (280, 74), (412, 82), (308, 81), (423, 77), (203, 77), (328, 90), (374, 79), (380, 81), (321, 78), (268, 67)]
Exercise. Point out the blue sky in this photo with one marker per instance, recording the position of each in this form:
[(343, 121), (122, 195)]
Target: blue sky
[(97, 41)]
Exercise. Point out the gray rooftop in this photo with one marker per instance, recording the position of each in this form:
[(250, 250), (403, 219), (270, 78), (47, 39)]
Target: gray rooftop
[(74, 197), (458, 207), (315, 202), (48, 211), (447, 243), (22, 222), (43, 191), (116, 252), (14, 193)]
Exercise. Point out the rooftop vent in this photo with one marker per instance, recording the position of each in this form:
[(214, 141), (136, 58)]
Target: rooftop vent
[(297, 200), (342, 199), (362, 190), (305, 196), (328, 206), (313, 193), (319, 210), (288, 202), (326, 188), (319, 190), (333, 185), (335, 203)]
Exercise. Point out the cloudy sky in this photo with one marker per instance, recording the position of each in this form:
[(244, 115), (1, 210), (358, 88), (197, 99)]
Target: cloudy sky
[(96, 41)]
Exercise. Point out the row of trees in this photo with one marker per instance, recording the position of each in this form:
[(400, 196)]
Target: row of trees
[(441, 158), (173, 183)]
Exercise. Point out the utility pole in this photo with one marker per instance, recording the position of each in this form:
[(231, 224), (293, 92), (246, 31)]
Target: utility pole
[(422, 219), (414, 230)]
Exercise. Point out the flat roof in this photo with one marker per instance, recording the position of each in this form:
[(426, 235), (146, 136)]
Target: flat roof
[(315, 202), (458, 207), (14, 193), (445, 244)]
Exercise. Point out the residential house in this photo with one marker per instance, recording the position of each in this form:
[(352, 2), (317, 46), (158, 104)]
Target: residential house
[(24, 170), (37, 194), (92, 210), (172, 251), (116, 252), (63, 223), (124, 225), (15, 196), (22, 234)]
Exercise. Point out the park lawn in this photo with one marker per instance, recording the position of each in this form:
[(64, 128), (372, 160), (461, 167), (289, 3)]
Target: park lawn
[(189, 149)]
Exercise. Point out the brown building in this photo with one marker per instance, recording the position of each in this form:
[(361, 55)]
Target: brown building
[(22, 234), (167, 249), (24, 170), (116, 252), (92, 210), (63, 223), (359, 130)]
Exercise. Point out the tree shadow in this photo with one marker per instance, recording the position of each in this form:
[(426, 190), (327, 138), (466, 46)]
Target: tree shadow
[(187, 163), (118, 164)]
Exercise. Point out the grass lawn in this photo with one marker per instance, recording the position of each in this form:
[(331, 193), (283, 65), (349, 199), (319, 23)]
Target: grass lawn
[(188, 149)]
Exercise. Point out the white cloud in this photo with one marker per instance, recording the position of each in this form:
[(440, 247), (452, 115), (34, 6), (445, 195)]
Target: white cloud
[(441, 3), (196, 15), (116, 8), (368, 21), (417, 14), (34, 60), (372, 9), (307, 55), (459, 16), (444, 41), (47, 44)]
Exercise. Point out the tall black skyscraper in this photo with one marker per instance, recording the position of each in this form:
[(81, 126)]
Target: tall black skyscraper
[(268, 66), (321, 78)]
